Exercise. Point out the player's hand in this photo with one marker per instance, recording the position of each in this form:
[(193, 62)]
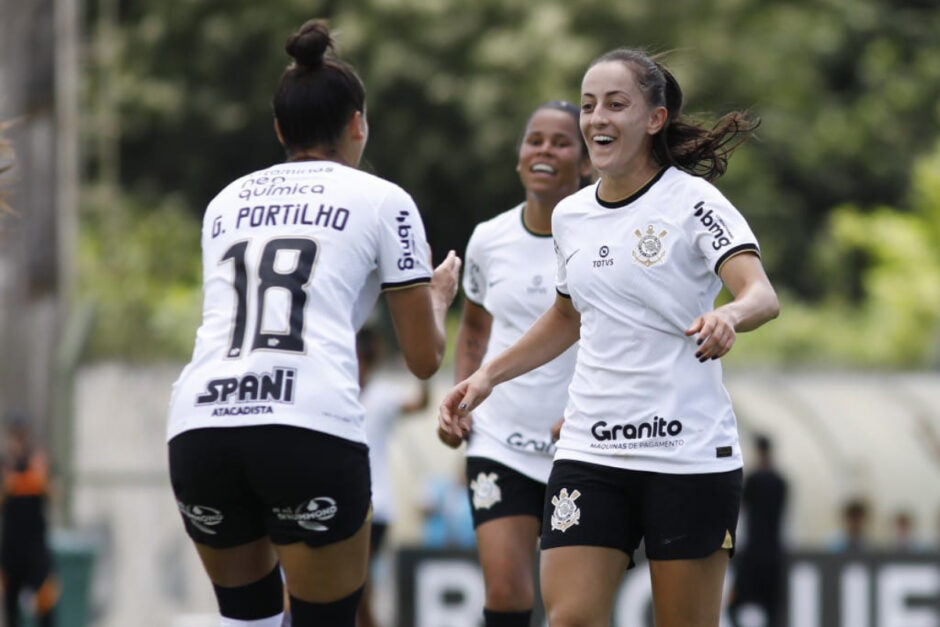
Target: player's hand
[(454, 417), (556, 429), (715, 334), (447, 438), (445, 279)]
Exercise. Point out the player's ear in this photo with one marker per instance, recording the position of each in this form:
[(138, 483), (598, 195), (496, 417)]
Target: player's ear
[(357, 127)]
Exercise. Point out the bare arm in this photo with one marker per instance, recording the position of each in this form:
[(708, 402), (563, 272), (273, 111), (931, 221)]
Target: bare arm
[(553, 333), (418, 314), (755, 303), (473, 335)]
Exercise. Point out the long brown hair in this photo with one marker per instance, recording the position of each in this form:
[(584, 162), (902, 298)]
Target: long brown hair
[(682, 142)]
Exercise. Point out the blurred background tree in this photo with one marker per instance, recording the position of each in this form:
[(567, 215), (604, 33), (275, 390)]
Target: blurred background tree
[(178, 93)]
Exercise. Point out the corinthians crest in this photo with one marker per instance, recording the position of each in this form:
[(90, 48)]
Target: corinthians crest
[(566, 512), (485, 491), (649, 250)]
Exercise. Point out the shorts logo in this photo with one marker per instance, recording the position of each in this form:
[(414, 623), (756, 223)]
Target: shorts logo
[(310, 514), (566, 513), (201, 517), (485, 491), (649, 249)]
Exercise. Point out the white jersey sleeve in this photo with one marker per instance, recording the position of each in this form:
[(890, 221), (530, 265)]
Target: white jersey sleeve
[(404, 254), (561, 276), (719, 230), (474, 275)]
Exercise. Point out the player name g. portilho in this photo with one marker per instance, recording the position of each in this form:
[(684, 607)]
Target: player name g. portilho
[(658, 427), (277, 386)]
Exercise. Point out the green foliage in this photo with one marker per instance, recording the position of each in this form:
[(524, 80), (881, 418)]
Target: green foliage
[(139, 267), (891, 318), (847, 91)]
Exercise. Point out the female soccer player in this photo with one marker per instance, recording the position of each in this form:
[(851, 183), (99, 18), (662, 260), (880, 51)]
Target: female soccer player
[(649, 448), (507, 283), (266, 445)]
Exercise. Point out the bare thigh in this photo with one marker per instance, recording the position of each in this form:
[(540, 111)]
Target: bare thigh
[(327, 573), (579, 584), (507, 554), (239, 565), (687, 593)]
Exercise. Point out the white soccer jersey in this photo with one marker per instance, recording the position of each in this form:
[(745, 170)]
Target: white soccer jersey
[(508, 271), (639, 272), (382, 401), (287, 252)]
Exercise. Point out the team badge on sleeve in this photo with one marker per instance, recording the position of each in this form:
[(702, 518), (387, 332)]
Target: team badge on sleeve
[(485, 491), (566, 513), (649, 250)]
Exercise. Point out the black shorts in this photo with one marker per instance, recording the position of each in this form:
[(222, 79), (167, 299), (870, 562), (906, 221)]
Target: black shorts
[(237, 484), (678, 516), (497, 491), (26, 563)]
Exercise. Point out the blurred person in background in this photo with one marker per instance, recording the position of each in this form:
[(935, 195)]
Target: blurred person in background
[(507, 282), (855, 518), (267, 452), (384, 403), (25, 558), (649, 448), (903, 534), (448, 522), (755, 598)]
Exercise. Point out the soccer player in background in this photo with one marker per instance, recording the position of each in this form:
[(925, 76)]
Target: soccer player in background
[(507, 282)]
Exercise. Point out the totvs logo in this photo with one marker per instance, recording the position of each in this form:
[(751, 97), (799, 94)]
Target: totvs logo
[(721, 234), (275, 386)]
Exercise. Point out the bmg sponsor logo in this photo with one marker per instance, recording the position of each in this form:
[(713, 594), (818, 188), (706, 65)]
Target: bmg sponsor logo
[(721, 234), (407, 241), (277, 385)]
